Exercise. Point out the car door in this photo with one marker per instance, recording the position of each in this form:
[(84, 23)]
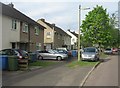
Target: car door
[(52, 54), (44, 54)]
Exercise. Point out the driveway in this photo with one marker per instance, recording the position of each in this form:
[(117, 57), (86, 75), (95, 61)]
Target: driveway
[(57, 75)]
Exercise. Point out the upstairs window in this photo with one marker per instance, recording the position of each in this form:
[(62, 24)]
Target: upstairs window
[(14, 24), (25, 27), (37, 30), (48, 34)]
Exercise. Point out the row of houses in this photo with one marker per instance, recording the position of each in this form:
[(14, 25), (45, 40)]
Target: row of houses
[(21, 32)]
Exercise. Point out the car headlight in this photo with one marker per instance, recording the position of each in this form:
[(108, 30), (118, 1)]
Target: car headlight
[(83, 56), (93, 55)]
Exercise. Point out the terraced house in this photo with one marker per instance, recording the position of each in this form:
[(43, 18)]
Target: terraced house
[(74, 38), (19, 31), (54, 37)]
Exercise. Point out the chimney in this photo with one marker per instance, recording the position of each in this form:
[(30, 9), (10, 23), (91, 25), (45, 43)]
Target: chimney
[(53, 25), (11, 4), (43, 20), (69, 30)]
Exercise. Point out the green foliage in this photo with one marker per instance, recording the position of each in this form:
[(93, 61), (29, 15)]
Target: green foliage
[(96, 28), (81, 64), (42, 63)]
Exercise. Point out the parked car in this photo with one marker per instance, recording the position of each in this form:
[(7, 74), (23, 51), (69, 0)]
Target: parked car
[(108, 51), (90, 53), (18, 52), (50, 54), (115, 49), (64, 50), (118, 49)]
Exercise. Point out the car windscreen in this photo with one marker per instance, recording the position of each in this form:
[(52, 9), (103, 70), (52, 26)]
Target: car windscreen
[(108, 49), (89, 50)]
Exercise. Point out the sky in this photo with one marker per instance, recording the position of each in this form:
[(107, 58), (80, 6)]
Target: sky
[(63, 13)]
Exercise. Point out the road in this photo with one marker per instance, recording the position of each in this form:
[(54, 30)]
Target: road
[(58, 75), (106, 74)]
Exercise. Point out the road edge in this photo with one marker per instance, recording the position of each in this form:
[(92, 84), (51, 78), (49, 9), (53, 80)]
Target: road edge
[(86, 77)]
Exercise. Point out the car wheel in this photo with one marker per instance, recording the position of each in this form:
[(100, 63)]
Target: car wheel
[(40, 58), (98, 59), (59, 58)]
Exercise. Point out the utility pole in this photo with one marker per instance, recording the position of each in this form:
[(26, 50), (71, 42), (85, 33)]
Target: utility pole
[(79, 24), (79, 17)]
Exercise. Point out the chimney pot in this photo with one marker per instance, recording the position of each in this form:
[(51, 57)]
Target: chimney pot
[(11, 5), (42, 19), (53, 25)]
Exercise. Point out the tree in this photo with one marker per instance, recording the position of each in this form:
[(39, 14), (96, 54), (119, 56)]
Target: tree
[(95, 27), (115, 32)]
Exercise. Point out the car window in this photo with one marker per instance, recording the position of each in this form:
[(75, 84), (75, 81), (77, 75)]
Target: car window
[(39, 51), (45, 52), (24, 53), (51, 51), (2, 52), (108, 49), (55, 51), (7, 52), (89, 50)]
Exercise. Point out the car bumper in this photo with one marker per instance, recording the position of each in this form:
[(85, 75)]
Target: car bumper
[(89, 58)]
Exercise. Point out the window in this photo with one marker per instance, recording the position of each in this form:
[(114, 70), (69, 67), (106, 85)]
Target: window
[(36, 30), (25, 27), (73, 40), (13, 45), (14, 24), (58, 36), (38, 46), (48, 34)]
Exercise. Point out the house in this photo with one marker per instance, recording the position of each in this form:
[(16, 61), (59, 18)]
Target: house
[(74, 39), (54, 37), (19, 31)]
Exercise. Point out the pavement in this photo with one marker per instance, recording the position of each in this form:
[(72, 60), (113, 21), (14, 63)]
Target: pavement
[(106, 74), (56, 75)]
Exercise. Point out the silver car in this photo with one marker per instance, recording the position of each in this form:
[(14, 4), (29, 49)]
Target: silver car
[(51, 54), (108, 51), (90, 53)]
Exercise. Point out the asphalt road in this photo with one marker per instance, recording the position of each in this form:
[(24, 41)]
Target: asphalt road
[(58, 75), (106, 74)]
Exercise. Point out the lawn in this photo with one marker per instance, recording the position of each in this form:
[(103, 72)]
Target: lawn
[(81, 64), (85, 63), (102, 55), (42, 63)]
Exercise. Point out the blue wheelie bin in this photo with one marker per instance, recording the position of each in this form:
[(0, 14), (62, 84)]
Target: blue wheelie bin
[(74, 53), (3, 62)]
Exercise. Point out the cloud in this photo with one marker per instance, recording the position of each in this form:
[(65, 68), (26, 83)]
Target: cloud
[(60, 0), (63, 13)]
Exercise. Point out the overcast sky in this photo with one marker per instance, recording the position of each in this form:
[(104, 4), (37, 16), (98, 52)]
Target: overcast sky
[(63, 13)]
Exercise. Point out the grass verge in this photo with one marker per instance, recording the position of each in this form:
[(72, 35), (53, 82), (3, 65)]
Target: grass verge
[(81, 64), (42, 63), (102, 55)]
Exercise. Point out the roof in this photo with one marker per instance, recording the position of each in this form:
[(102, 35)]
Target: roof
[(57, 29), (75, 34), (14, 13)]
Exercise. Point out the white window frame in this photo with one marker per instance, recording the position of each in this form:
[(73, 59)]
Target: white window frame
[(24, 27), (14, 24), (37, 31)]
